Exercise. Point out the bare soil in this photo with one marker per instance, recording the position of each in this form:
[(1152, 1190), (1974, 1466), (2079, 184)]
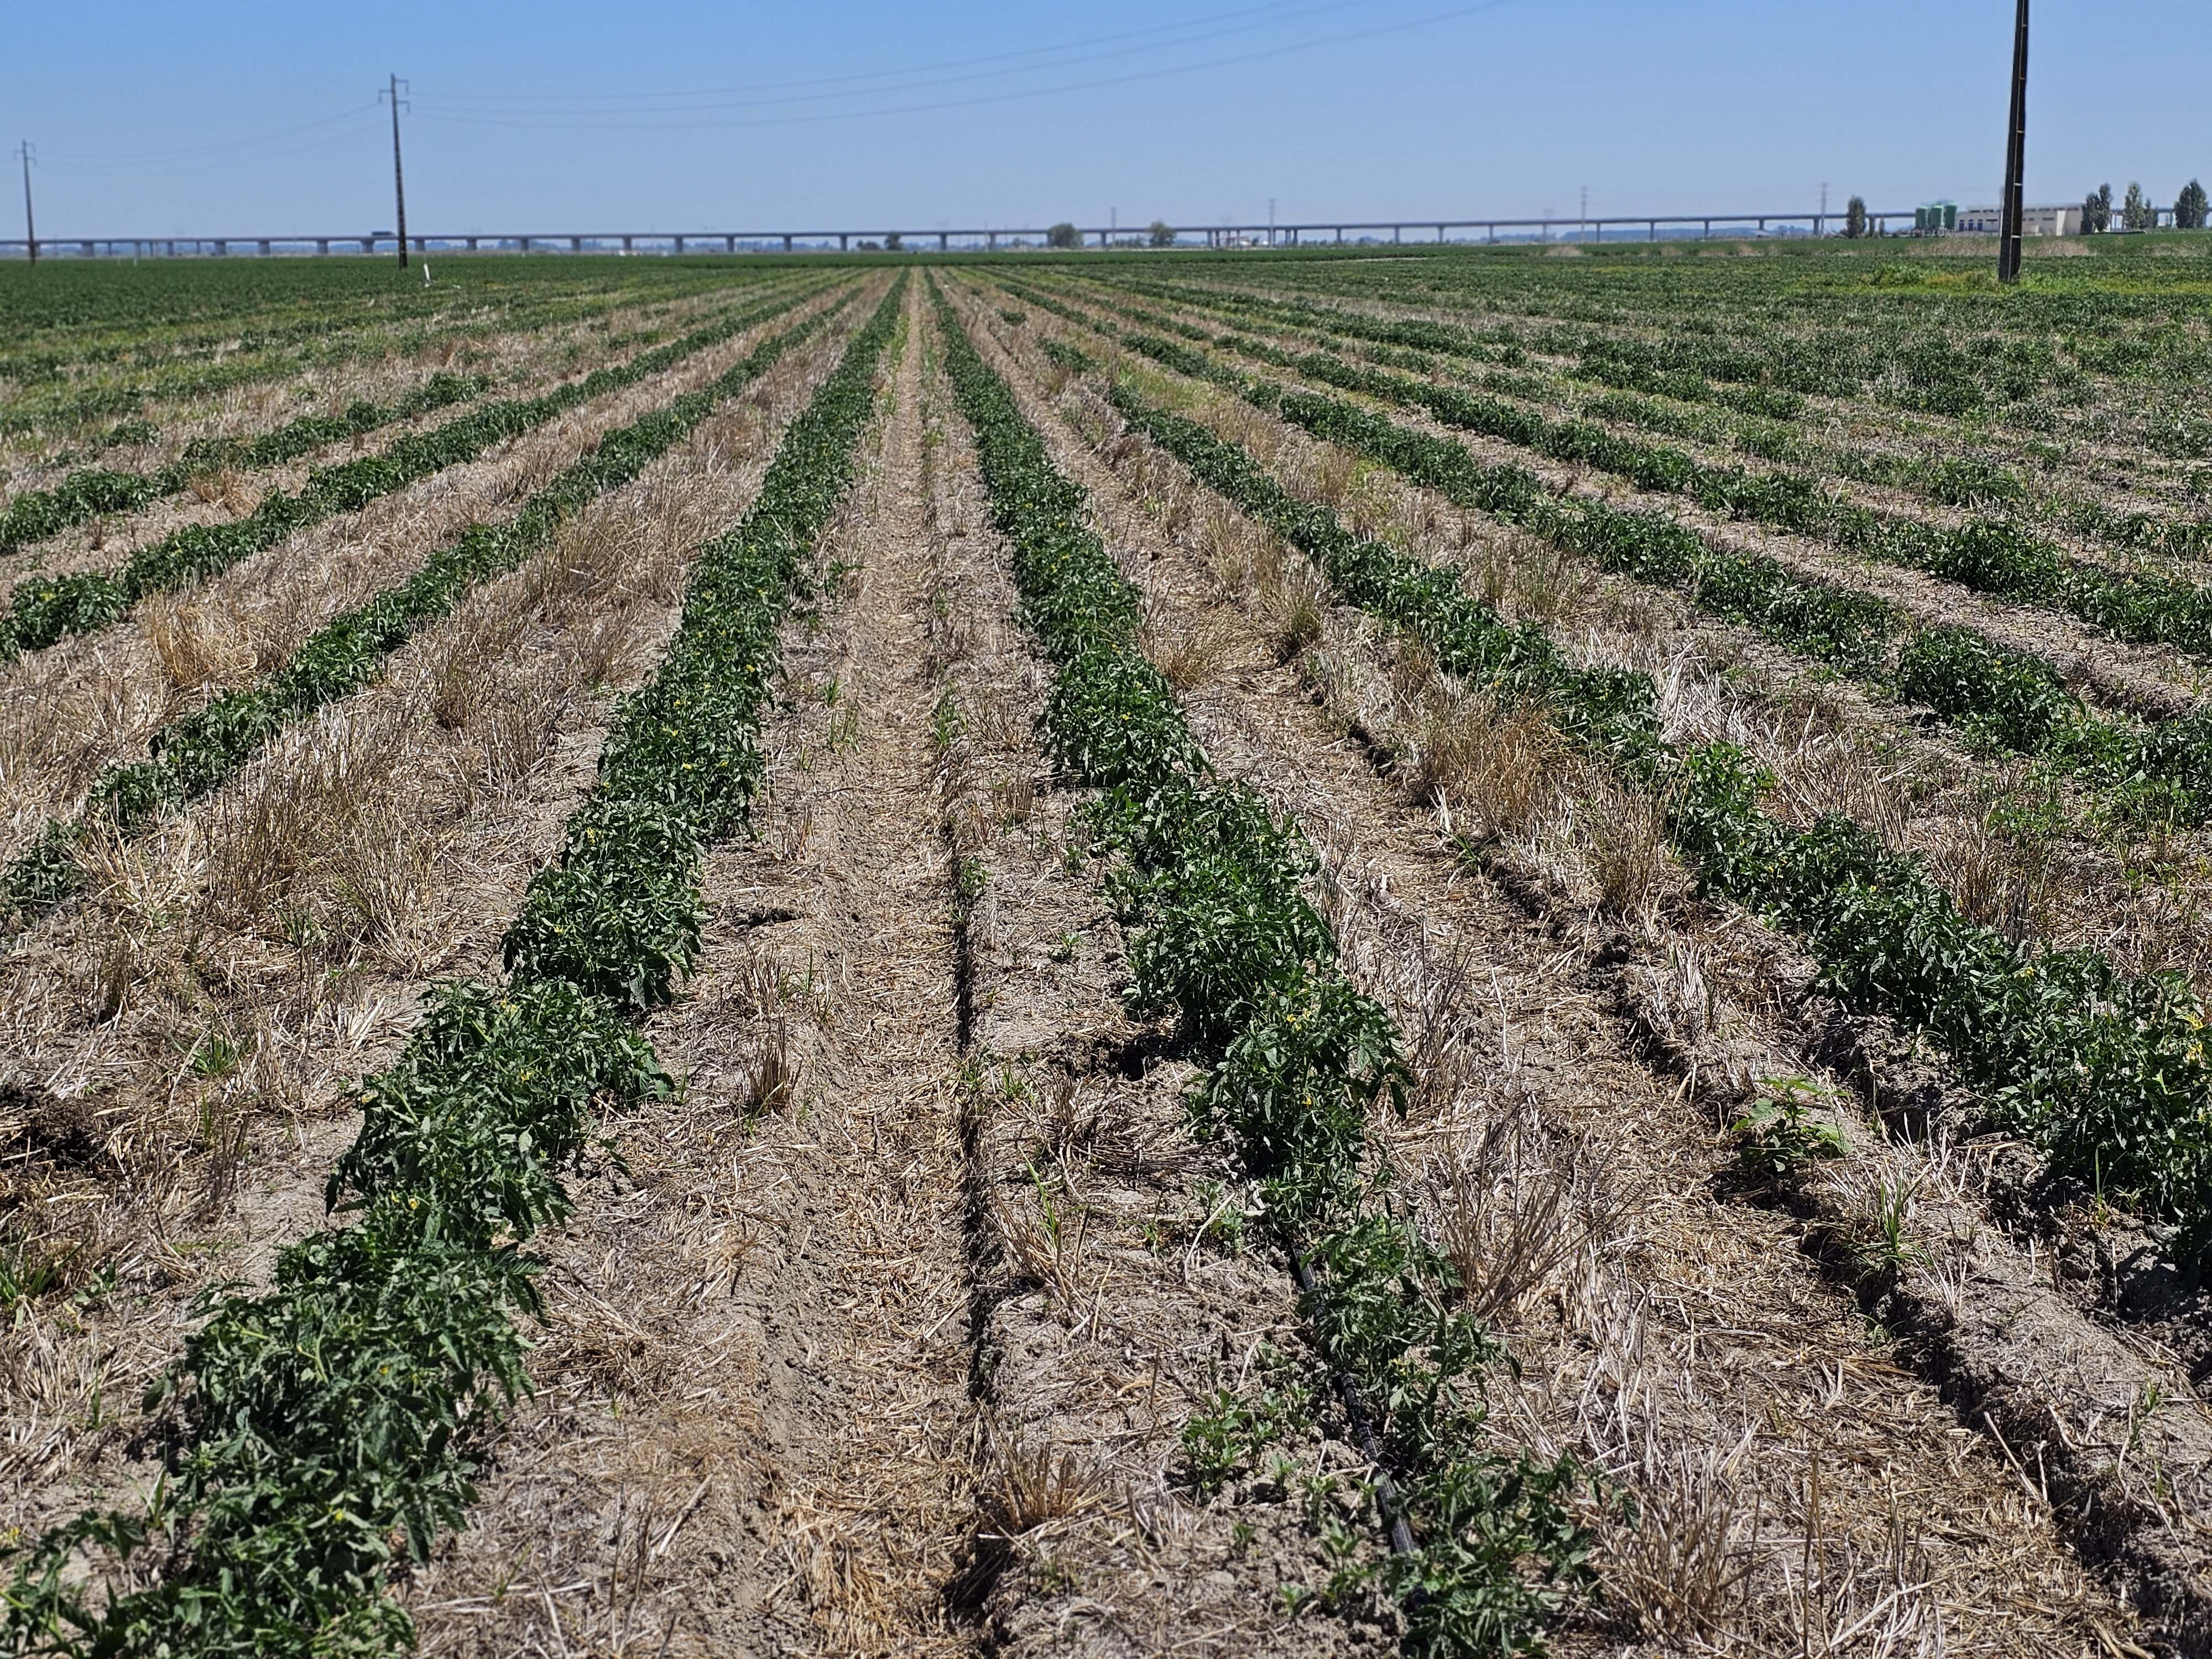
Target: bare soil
[(94, 699), (1706, 1356), (180, 1041)]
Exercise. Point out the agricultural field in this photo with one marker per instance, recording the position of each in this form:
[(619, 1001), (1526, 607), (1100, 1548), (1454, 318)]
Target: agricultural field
[(1445, 952)]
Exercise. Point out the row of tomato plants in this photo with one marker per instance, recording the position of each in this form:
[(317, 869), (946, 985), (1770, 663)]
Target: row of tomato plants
[(1760, 430), (45, 608), (33, 516), (207, 362), (2106, 1072), (253, 321), (1931, 368), (1838, 336), (195, 752), (1636, 367), (1497, 342), (1225, 937), (87, 492), (1998, 556), (2143, 772), (335, 1423)]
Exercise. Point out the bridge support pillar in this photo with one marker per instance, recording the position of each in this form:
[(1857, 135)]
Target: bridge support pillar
[(786, 245)]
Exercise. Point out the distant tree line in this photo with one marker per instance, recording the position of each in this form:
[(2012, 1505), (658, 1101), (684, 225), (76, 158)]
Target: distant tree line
[(2193, 210), (2137, 213), (1158, 234)]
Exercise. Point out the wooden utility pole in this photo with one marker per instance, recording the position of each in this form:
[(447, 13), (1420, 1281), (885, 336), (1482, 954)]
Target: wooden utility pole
[(30, 225), (399, 180), (2016, 188)]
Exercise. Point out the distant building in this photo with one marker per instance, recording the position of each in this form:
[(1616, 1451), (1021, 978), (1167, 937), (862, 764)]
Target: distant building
[(2034, 221), (1933, 218)]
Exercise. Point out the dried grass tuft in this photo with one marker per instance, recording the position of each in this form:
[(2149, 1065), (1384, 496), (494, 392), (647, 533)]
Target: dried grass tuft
[(1501, 766), (1293, 602), (772, 1080), (1684, 1569), (198, 645), (2000, 881), (1190, 656), (208, 488), (1511, 1209), (1628, 853), (1015, 796), (1522, 577), (1044, 1242), (1032, 1483)]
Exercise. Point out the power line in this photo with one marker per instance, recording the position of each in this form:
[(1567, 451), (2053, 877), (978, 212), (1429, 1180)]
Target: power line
[(82, 158), (926, 75), (361, 125), (432, 112)]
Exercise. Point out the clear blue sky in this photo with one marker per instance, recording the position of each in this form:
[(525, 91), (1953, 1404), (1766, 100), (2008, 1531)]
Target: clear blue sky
[(170, 119)]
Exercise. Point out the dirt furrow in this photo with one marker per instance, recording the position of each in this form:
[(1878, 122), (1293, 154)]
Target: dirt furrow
[(1832, 745), (178, 1044), (1122, 1282), (327, 387), (94, 699), (1686, 1344), (751, 1433), (527, 368), (2152, 680)]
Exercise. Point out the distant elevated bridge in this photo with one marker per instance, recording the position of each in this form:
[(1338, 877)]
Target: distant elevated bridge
[(1322, 232)]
